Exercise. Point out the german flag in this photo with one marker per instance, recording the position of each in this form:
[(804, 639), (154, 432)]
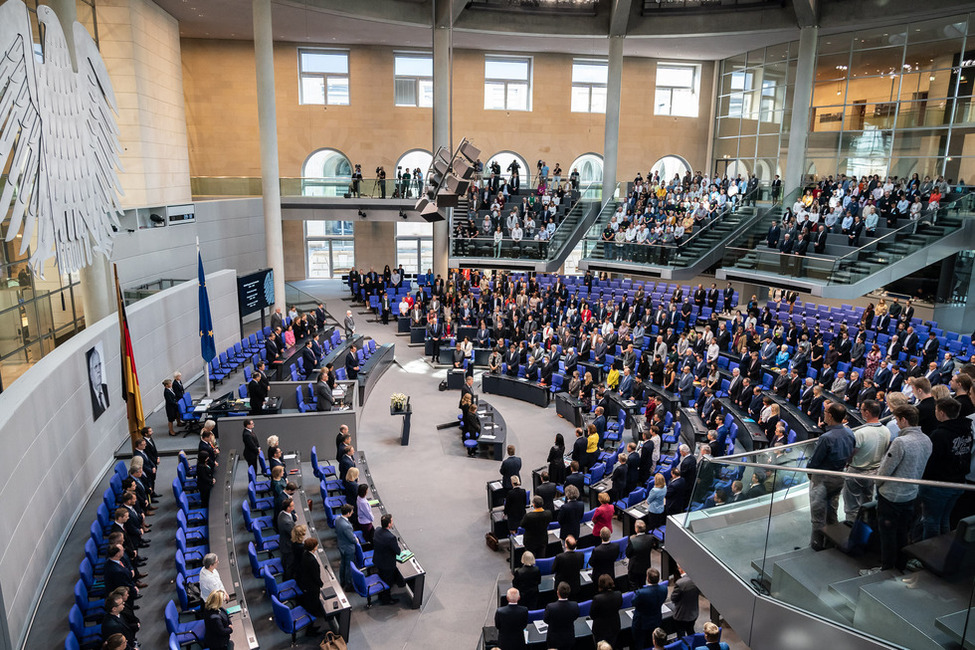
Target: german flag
[(130, 379)]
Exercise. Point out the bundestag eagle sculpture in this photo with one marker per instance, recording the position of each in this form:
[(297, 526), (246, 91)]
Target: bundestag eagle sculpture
[(59, 142)]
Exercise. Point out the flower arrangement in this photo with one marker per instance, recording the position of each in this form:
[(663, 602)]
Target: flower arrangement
[(398, 401)]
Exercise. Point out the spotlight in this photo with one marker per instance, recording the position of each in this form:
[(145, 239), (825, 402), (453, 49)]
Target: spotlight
[(362, 215), (402, 214), (156, 220)]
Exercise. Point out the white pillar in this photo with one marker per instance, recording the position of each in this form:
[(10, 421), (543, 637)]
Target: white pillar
[(441, 120), (614, 85), (268, 125), (801, 101)]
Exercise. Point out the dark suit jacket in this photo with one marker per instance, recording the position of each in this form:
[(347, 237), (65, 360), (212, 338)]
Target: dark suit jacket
[(647, 602), (117, 576), (385, 548), (603, 559), (115, 625), (548, 493), (511, 621), (578, 478), (351, 363), (638, 554), (96, 408), (566, 568), (561, 617), (323, 397), (605, 614), (510, 466), (536, 524), (252, 447), (256, 393), (570, 518)]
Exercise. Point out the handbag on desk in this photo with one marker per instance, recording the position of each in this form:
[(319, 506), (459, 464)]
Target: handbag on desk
[(332, 641)]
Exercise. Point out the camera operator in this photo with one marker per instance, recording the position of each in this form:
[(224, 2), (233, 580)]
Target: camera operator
[(356, 180), (381, 177)]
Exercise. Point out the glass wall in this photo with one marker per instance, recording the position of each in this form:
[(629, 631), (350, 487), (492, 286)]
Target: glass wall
[(330, 248), (414, 246), (754, 110), (894, 100)]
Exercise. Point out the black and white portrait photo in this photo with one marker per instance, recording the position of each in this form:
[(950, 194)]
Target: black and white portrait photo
[(96, 380)]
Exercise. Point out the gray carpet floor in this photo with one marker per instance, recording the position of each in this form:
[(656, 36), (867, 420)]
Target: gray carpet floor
[(435, 492)]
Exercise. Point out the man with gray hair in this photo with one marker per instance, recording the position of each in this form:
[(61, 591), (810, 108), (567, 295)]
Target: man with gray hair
[(209, 578), (349, 324), (511, 621)]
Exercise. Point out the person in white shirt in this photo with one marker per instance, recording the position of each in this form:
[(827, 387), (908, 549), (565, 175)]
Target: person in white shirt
[(517, 233), (872, 440), (404, 307), (512, 221), (209, 578)]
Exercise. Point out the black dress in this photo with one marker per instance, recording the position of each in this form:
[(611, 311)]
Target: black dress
[(309, 578), (217, 636), (556, 464)]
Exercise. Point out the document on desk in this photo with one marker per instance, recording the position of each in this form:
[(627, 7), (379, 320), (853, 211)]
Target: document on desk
[(289, 456), (589, 623), (541, 626), (495, 485), (629, 612), (518, 539)]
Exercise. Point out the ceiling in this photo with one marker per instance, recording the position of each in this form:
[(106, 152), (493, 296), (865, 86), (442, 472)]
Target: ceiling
[(232, 19)]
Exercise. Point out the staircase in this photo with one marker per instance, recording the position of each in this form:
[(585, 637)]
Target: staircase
[(890, 256)]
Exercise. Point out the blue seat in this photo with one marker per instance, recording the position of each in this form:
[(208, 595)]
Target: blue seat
[(194, 554), (265, 543), (303, 406), (91, 610), (181, 568), (71, 642), (260, 487), (95, 588), (193, 533), (185, 633), (287, 590), (185, 604), (367, 586), (320, 471), (265, 503), (363, 559), (180, 493), (91, 553), (273, 565), (86, 635), (290, 620)]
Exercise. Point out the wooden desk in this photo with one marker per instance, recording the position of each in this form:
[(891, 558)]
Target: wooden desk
[(334, 599)]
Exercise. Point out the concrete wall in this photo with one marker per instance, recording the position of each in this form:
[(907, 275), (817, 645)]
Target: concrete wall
[(221, 110), (141, 48), (56, 453), (231, 236)]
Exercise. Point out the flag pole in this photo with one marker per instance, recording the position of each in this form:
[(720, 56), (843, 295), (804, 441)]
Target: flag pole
[(206, 366)]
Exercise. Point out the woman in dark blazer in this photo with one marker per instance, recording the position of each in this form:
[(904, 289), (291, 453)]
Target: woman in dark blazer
[(308, 575), (526, 580), (218, 628), (350, 486), (172, 404), (605, 611), (556, 460)]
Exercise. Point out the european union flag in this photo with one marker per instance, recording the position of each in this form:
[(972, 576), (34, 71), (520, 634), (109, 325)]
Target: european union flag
[(208, 347)]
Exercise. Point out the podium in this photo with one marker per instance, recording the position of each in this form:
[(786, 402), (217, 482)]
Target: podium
[(407, 413)]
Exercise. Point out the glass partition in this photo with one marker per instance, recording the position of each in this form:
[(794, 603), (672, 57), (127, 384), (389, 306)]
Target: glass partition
[(755, 513)]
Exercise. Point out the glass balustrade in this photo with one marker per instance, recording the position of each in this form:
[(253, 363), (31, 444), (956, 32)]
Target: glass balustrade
[(752, 513)]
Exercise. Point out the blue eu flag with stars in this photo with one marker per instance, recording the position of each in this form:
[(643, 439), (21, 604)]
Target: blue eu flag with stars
[(208, 347)]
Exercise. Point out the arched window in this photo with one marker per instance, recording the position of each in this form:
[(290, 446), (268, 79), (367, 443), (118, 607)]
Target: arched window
[(326, 173), (736, 168), (412, 159), (504, 158), (590, 168), (668, 166)]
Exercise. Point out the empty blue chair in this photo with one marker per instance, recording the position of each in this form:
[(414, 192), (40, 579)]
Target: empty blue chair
[(95, 588), (91, 553), (190, 573), (185, 604), (180, 494), (333, 502), (273, 565), (195, 534), (86, 635), (265, 543), (251, 521), (287, 590), (367, 586), (91, 610), (265, 503), (194, 554), (259, 486), (185, 633), (290, 620), (320, 471)]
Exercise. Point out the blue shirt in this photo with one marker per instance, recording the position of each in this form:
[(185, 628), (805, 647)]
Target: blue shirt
[(834, 449)]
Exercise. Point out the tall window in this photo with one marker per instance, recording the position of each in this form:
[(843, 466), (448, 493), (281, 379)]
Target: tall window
[(740, 102), (330, 247), (324, 76), (589, 86), (507, 83), (413, 79), (677, 89), (414, 246)]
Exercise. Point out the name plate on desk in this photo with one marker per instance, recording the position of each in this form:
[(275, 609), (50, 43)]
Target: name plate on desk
[(541, 626)]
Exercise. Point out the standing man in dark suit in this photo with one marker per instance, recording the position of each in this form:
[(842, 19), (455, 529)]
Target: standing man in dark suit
[(511, 621), (776, 188), (603, 557), (547, 490), (256, 393), (571, 513), (567, 565), (685, 597), (113, 623), (435, 333), (324, 400), (386, 548), (638, 555), (309, 360), (351, 363), (774, 232), (510, 466), (647, 602), (561, 617), (252, 447)]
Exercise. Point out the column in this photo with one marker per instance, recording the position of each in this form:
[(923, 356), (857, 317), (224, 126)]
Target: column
[(441, 120), (801, 102), (268, 124), (614, 84), (97, 285)]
